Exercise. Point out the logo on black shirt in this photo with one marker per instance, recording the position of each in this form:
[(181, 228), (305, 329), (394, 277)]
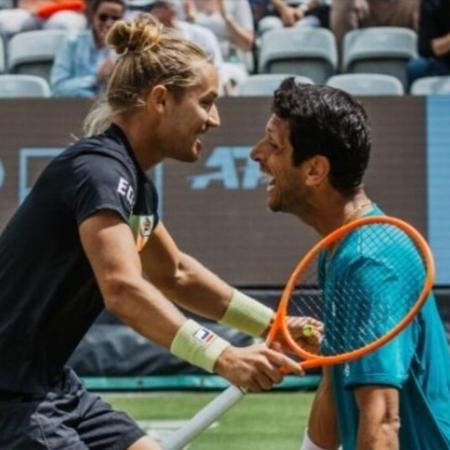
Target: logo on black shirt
[(124, 188), (142, 227)]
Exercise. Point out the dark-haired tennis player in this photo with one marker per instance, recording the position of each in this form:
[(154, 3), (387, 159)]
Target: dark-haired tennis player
[(315, 151), (72, 248)]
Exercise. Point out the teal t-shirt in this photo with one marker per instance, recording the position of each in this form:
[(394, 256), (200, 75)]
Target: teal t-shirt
[(417, 361)]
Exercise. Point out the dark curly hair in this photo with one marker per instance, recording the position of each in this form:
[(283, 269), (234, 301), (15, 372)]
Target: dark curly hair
[(329, 122)]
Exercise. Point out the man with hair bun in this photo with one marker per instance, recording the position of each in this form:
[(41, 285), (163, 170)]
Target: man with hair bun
[(88, 236)]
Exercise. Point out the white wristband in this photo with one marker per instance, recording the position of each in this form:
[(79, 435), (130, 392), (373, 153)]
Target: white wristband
[(198, 345), (246, 314), (308, 444)]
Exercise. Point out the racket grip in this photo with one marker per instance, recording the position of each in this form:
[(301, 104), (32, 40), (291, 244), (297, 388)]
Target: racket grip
[(203, 419)]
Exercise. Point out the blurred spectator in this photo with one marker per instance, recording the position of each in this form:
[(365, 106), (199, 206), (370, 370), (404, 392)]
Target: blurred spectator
[(166, 12), (434, 41), (83, 62), (37, 14), (232, 23), (273, 14), (348, 15)]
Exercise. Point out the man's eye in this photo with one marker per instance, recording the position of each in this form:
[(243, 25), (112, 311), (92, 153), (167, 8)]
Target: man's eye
[(207, 105)]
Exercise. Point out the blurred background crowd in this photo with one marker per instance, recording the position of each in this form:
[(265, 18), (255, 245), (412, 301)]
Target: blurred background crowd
[(381, 46)]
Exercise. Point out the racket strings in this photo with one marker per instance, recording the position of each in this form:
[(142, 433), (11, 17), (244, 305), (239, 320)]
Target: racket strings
[(361, 297)]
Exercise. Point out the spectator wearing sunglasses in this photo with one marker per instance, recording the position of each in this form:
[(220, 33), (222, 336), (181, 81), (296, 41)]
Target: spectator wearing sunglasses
[(83, 61)]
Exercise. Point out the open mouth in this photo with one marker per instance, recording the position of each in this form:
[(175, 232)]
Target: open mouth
[(268, 180), (198, 145)]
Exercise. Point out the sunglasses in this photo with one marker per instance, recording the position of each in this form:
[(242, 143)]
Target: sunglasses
[(105, 17)]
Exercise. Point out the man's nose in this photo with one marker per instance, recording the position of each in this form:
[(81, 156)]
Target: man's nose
[(257, 152), (213, 118)]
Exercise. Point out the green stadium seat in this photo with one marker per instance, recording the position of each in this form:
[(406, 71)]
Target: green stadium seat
[(431, 86), (384, 50), (265, 84), (32, 52), (309, 52), (16, 85), (367, 84)]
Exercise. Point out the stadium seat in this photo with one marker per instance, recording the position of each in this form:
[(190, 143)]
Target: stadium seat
[(32, 52), (384, 50), (431, 86), (265, 84), (16, 85), (310, 52), (367, 84)]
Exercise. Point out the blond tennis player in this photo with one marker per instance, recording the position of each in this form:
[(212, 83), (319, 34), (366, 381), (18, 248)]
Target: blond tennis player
[(88, 236)]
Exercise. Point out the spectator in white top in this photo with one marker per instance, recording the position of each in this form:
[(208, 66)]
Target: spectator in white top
[(232, 22), (166, 11), (47, 14)]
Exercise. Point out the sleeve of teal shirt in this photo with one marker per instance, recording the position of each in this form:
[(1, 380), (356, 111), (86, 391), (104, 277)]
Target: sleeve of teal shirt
[(390, 364)]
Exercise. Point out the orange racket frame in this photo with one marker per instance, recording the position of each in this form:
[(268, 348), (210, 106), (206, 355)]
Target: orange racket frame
[(280, 323)]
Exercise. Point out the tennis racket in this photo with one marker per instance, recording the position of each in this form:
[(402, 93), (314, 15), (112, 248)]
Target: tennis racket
[(365, 281)]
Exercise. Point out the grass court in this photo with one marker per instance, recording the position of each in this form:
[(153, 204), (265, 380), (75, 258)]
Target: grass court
[(270, 421)]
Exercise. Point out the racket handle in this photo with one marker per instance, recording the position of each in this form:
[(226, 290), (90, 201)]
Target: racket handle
[(203, 419)]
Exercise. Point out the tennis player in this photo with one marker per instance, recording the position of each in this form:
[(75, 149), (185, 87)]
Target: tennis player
[(72, 248), (315, 152)]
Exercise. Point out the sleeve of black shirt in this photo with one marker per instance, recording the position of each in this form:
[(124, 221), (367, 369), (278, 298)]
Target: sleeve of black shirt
[(100, 182), (155, 199), (428, 27)]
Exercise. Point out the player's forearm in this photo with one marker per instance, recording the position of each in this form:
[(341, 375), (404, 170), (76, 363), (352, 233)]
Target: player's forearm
[(382, 435), (197, 289), (141, 306), (147, 311), (379, 418), (322, 425)]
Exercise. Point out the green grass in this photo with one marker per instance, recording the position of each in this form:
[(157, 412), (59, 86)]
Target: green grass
[(272, 421)]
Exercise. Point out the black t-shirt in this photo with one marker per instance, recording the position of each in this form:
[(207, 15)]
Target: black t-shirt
[(48, 294), (434, 23)]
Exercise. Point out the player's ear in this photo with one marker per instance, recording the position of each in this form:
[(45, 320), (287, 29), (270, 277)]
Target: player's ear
[(318, 169), (157, 98)]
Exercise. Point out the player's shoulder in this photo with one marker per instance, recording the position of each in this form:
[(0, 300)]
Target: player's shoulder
[(99, 152), (374, 243)]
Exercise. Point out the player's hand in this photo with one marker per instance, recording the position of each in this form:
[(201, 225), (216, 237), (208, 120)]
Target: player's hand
[(307, 332), (256, 368)]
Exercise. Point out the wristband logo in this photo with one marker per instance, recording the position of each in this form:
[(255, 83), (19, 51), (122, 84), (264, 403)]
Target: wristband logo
[(204, 336)]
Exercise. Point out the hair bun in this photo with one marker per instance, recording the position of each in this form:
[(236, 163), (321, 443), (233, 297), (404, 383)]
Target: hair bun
[(135, 36)]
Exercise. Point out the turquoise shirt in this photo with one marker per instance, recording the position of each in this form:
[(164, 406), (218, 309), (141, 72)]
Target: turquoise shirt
[(416, 362)]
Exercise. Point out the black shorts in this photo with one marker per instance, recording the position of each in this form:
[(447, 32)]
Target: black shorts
[(67, 418)]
